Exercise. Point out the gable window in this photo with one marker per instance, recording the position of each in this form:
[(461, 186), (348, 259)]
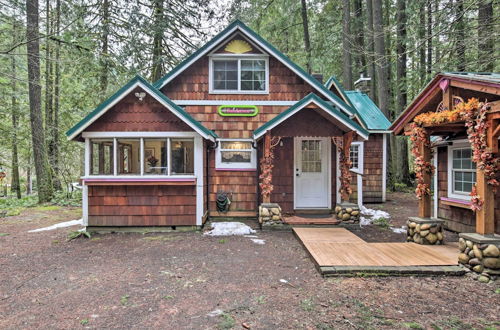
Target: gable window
[(235, 154), (461, 172), (235, 75), (356, 156)]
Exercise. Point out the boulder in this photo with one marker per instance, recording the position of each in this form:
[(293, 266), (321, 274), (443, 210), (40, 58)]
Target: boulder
[(478, 268), (491, 251), (275, 210), (440, 236), (461, 244), (417, 228), (493, 263), (477, 252), (434, 230), (483, 279), (474, 261), (411, 232), (463, 258), (469, 244), (348, 210), (346, 216), (425, 226), (423, 233), (412, 225), (354, 213), (471, 254), (276, 217), (264, 212), (338, 209), (432, 238)]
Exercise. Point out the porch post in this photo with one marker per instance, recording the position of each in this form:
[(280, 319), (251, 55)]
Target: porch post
[(346, 150), (266, 197), (424, 204), (485, 217)]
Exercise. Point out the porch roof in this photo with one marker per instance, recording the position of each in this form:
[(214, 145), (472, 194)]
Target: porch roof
[(323, 105)]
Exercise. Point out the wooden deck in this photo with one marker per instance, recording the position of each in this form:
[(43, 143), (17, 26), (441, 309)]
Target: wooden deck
[(338, 247)]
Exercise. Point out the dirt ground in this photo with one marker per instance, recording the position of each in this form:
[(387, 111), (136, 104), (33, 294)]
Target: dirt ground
[(175, 280)]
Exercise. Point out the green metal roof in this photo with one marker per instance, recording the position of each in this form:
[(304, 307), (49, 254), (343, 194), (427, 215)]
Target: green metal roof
[(492, 77), (368, 111), (139, 81), (237, 24), (305, 101)]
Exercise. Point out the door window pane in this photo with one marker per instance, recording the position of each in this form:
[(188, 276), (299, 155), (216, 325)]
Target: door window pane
[(101, 157), (128, 156), (311, 156), (182, 156), (155, 157)]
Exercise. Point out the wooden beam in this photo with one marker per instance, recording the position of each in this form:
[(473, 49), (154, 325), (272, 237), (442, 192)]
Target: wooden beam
[(492, 134), (424, 204), (267, 152), (448, 98), (476, 86), (485, 218), (346, 149)]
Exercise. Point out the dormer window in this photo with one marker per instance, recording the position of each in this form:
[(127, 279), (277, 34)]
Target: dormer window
[(245, 74)]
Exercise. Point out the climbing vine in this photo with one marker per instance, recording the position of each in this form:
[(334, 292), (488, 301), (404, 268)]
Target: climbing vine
[(474, 113), (419, 136)]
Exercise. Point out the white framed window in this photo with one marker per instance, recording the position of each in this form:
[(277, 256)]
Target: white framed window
[(236, 154), (149, 154), (461, 171), (356, 156), (239, 74)]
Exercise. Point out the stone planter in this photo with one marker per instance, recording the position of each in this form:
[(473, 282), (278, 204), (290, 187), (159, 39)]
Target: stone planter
[(481, 254), (347, 212), (270, 214), (425, 231)]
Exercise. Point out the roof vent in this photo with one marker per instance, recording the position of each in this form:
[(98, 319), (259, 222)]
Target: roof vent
[(318, 77)]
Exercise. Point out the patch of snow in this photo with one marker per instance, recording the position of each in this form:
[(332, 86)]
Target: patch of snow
[(229, 229), (258, 241), (215, 313), (283, 281), (399, 230), (252, 236), (372, 215), (59, 225)]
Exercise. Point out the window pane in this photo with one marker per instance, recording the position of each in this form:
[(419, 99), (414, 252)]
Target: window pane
[(238, 145), (155, 157), (354, 155), (129, 156), (225, 75), (101, 157), (253, 75), (236, 156), (182, 156)]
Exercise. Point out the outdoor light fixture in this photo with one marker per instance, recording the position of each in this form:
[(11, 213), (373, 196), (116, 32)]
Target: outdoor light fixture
[(140, 95)]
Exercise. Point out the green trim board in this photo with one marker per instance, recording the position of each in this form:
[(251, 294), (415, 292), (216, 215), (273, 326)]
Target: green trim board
[(259, 132), (372, 116), (125, 90), (238, 110), (255, 38)]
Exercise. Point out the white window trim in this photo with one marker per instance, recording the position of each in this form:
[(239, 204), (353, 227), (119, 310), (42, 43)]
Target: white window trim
[(459, 144), (141, 136), (219, 165), (361, 153), (238, 57)]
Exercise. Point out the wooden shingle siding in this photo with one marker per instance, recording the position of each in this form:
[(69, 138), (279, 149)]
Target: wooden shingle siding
[(192, 84), (142, 205), (459, 219), (372, 178), (130, 115)]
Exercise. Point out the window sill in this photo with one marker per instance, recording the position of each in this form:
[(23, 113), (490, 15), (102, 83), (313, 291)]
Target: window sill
[(237, 169), (456, 202), (239, 92), (114, 181)]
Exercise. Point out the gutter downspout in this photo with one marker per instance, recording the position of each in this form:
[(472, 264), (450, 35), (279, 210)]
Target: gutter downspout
[(255, 146), (207, 171)]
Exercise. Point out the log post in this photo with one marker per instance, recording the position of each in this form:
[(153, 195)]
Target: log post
[(266, 198), (424, 204), (448, 98), (485, 217)]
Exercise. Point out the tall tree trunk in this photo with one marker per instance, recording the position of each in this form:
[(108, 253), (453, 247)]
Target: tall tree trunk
[(460, 36), (55, 123), (402, 168), (307, 41), (437, 27), (157, 67), (104, 51), (429, 38), (421, 41), (346, 44), (42, 169), (15, 183), (486, 55), (380, 59), (359, 38), (371, 50)]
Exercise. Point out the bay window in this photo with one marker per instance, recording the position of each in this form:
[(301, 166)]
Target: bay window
[(234, 75)]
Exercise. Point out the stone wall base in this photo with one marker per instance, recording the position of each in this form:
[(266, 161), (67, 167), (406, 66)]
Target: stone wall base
[(270, 214), (425, 231), (481, 254), (347, 212)]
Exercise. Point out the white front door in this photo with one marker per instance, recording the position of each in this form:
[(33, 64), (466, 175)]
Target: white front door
[(312, 173)]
